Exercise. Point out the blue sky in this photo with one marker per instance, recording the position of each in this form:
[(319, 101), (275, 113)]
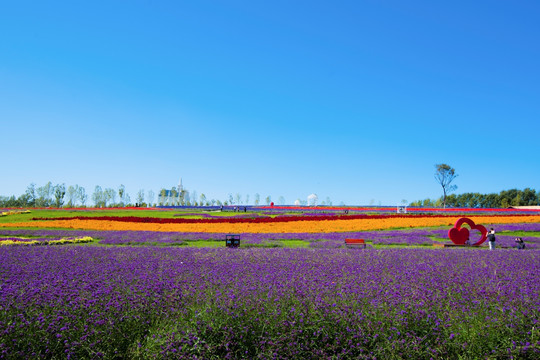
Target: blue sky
[(351, 100)]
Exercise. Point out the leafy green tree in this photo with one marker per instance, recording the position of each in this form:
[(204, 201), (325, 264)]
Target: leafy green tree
[(31, 194), (9, 201), (268, 200), (444, 175), (528, 197), (98, 196), (174, 196), (71, 195), (491, 201), (162, 196), (59, 193), (44, 195), (257, 199), (507, 197), (516, 201), (121, 193)]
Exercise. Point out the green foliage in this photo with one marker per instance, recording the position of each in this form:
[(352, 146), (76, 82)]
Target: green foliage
[(59, 193), (98, 196), (506, 198)]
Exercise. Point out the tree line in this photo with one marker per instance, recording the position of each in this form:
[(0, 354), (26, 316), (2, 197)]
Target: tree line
[(58, 195), (504, 199), (175, 197)]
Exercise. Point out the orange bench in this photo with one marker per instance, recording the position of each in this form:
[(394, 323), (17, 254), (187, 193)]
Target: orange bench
[(355, 243)]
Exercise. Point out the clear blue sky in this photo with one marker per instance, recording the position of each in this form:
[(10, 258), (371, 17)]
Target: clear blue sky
[(352, 100)]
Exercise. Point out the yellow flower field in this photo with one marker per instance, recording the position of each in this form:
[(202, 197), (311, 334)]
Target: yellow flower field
[(309, 226), (46, 242)]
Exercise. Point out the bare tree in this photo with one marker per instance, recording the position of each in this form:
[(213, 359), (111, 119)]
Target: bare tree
[(127, 199), (140, 197), (81, 195), (150, 197), (109, 195), (444, 175)]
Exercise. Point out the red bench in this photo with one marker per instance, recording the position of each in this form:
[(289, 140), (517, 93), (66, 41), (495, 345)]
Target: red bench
[(356, 243)]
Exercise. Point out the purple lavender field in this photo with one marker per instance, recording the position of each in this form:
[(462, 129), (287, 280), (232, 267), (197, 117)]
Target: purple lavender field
[(187, 303), (406, 237)]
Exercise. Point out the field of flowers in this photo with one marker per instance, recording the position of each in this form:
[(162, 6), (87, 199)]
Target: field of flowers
[(292, 224), (97, 302), (381, 238), (136, 286), (4, 241)]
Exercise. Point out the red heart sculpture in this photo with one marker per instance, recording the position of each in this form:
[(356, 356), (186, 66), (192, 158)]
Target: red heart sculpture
[(459, 235)]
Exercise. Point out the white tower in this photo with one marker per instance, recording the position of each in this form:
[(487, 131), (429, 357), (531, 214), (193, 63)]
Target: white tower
[(180, 187)]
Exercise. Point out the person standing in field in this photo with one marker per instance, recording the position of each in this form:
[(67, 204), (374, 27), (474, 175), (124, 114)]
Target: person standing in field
[(491, 239)]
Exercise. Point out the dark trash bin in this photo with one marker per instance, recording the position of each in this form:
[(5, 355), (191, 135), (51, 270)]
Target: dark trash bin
[(232, 240)]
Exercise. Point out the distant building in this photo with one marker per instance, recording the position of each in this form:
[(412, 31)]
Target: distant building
[(175, 196)]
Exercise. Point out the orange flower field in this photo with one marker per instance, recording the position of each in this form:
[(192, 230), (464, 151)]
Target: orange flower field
[(310, 226)]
